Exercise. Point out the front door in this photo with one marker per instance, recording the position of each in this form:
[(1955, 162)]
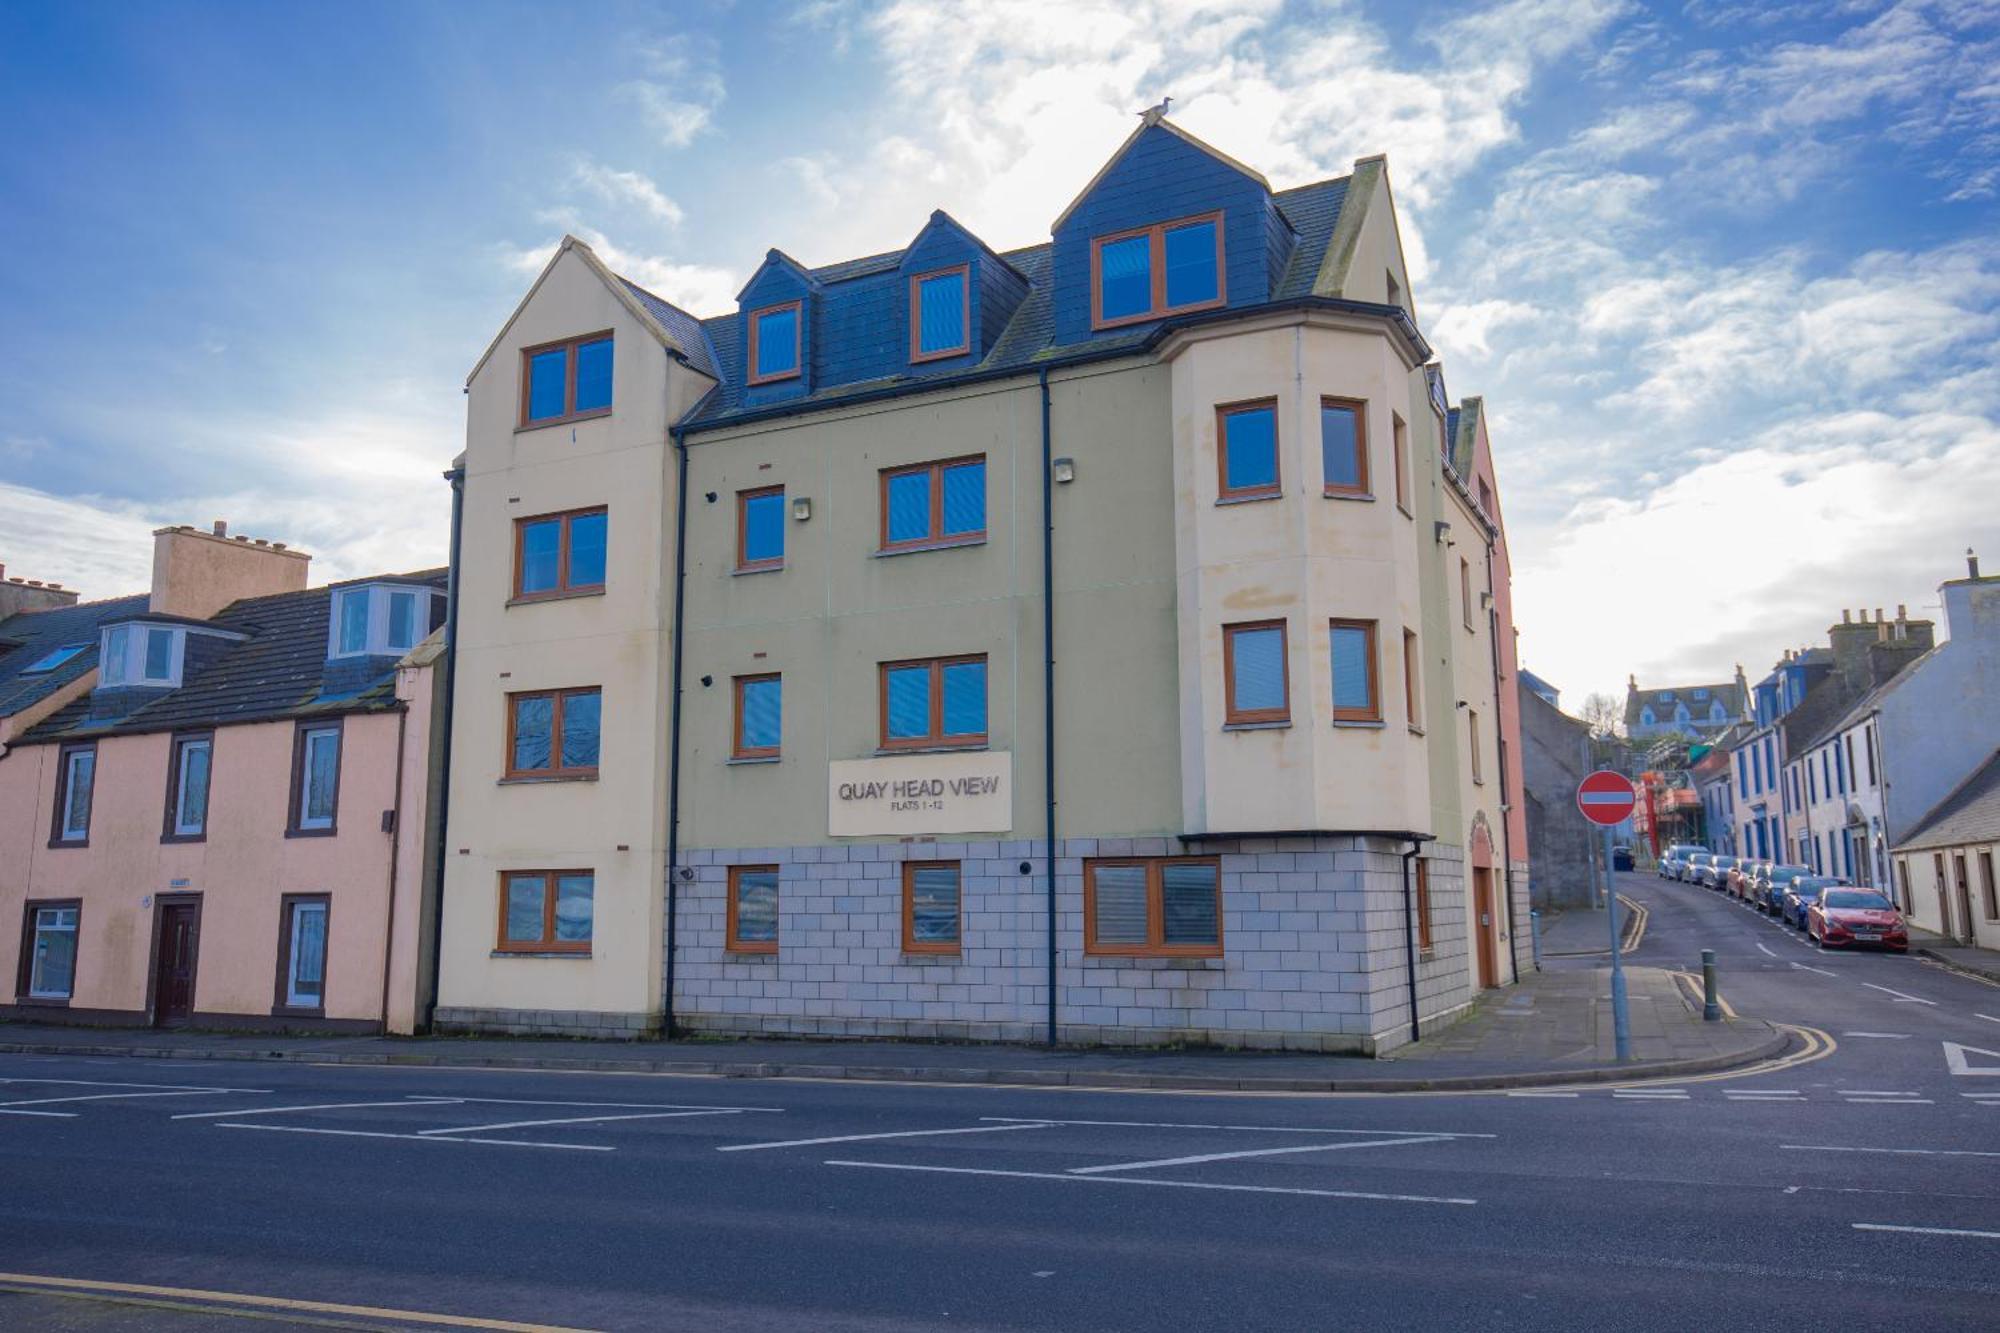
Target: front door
[(1964, 896), (1482, 916), (173, 976)]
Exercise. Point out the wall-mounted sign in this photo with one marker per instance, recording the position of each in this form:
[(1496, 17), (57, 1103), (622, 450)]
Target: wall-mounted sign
[(971, 792)]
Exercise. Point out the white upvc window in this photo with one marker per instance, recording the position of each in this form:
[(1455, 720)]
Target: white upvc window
[(376, 620), (305, 963), (141, 654), (192, 763), (52, 974), (319, 778)]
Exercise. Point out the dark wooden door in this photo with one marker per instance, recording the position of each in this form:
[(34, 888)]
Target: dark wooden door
[(173, 981), (1482, 918)]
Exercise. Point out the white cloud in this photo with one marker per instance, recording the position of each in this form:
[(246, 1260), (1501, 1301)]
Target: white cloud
[(628, 188), (699, 289), (682, 90)]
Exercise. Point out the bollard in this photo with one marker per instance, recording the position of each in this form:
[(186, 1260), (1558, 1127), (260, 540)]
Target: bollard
[(1711, 1007), (1535, 934)]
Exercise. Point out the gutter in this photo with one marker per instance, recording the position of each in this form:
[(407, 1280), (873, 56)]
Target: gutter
[(678, 434), (1049, 690), (456, 476)]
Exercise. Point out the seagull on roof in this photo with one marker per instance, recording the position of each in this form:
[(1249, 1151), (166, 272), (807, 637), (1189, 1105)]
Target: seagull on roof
[(1152, 115)]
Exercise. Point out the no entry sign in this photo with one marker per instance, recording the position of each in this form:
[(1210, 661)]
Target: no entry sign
[(1605, 797)]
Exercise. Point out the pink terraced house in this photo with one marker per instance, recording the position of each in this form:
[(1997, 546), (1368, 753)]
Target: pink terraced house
[(215, 802)]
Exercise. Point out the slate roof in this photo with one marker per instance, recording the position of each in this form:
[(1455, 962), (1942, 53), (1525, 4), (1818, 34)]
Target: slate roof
[(1970, 814), (682, 327), (1029, 338), (1728, 695), (274, 673), (40, 633)]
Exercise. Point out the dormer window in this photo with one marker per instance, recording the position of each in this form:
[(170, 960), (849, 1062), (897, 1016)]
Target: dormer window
[(775, 343), (941, 314), (566, 381), (132, 655), (379, 620), (1153, 271)]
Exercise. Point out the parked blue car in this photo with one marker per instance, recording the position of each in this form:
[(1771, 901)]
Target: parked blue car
[(1803, 892)]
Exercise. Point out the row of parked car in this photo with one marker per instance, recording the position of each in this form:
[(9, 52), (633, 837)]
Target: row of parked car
[(1830, 910)]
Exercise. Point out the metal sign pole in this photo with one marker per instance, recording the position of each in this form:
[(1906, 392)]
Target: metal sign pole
[(1621, 1024)]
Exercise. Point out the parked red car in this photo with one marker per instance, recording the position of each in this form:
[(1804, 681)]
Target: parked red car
[(1857, 916)]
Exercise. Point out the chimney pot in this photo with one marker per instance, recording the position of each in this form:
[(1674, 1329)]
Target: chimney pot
[(262, 542), (34, 583), (1902, 611), (1846, 617), (1971, 564), (221, 527), (277, 546), (239, 538)]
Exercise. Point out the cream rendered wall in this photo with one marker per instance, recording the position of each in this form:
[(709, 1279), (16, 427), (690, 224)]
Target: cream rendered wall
[(614, 826), (1472, 681), (839, 608), (1303, 557), (1378, 246)]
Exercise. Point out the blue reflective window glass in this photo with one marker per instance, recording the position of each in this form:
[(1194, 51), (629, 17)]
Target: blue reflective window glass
[(965, 499), (941, 313), (1250, 450), (354, 621), (526, 895), (756, 907), (534, 717), (762, 716), (909, 502), (159, 654), (53, 660), (541, 554), (586, 550), (547, 381), (1352, 686), (402, 619), (777, 342), (191, 813), (1125, 277), (580, 716), (763, 527), (1192, 277), (574, 907), (1340, 448), (1257, 670), (908, 691), (593, 375), (965, 699)]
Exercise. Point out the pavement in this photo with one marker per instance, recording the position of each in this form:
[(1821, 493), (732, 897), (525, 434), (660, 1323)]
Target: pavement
[(1983, 963), (1854, 1182)]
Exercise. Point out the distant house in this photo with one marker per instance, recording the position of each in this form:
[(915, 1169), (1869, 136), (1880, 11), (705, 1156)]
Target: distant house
[(1692, 710), (1536, 685)]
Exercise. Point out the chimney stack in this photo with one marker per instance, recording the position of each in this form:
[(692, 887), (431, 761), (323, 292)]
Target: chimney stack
[(221, 528), (198, 573), (1971, 564)]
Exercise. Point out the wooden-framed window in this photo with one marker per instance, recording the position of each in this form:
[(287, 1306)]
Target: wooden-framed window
[(1343, 447), (1472, 731), (300, 987), (753, 910), (1413, 680), (76, 784), (1399, 434), (1465, 589), (1246, 450), (546, 911), (560, 555), (1357, 693), (760, 529), (315, 780), (1164, 269), (941, 313), (757, 731), (1256, 675), (46, 971), (190, 759), (1422, 905), (933, 703), (566, 381), (932, 907), (934, 504), (1153, 907), (777, 342), (554, 733)]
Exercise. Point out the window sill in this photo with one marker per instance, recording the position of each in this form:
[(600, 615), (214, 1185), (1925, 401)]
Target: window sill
[(57, 844), (1360, 724), (753, 759), (583, 954), (1199, 962), (539, 779), (1351, 495), (311, 832), (917, 548), (1279, 724), (545, 424), (166, 838), (294, 1011), (774, 567), (1405, 511), (1416, 730), (928, 958), (886, 751), (1251, 498), (42, 1001), (749, 955), (558, 595)]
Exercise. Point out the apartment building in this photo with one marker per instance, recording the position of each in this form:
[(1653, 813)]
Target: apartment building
[(1103, 640), (1764, 803), (216, 809)]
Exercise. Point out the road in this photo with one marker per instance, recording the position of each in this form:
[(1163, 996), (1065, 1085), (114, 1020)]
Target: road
[(605, 1201)]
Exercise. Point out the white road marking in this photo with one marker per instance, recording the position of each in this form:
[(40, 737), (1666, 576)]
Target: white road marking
[(1544, 1094), (898, 1134), (1770, 953), (317, 1106), (1169, 1184), (1249, 1152), (606, 1106), (1927, 1231), (1954, 1059), (1745, 1094), (1893, 1152), (573, 1120), (1889, 1101), (418, 1138), (1901, 998), (54, 1115), (101, 1083), (1873, 1092), (1875, 1034), (1806, 967), (1264, 1129), (117, 1096), (1988, 1017)]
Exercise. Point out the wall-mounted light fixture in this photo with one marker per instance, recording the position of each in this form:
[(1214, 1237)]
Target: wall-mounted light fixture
[(1064, 470), (711, 497), (707, 681), (802, 507), (1443, 534)]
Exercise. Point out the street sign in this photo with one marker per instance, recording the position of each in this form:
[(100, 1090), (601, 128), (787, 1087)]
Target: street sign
[(1605, 797)]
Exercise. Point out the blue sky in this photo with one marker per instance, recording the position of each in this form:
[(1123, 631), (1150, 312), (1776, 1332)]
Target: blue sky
[(1726, 274)]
